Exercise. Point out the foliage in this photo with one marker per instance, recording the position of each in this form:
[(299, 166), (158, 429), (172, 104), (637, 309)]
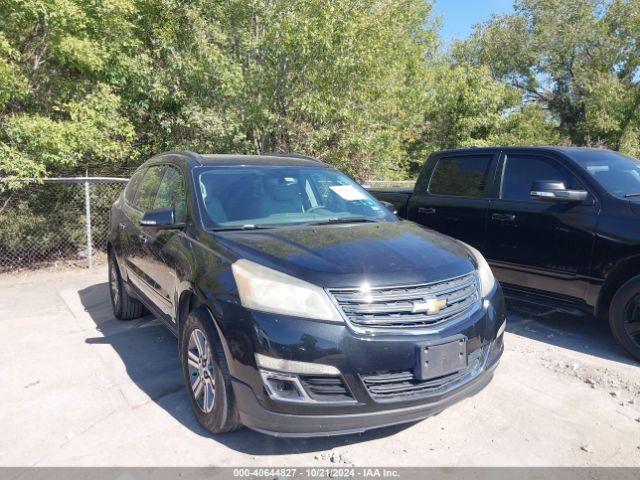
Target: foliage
[(101, 85), (578, 59), (468, 107)]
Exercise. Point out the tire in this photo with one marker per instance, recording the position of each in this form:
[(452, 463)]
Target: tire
[(203, 360), (124, 306), (624, 316)]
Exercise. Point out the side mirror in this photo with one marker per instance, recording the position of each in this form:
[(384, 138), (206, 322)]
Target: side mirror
[(554, 191), (161, 219), (389, 206)]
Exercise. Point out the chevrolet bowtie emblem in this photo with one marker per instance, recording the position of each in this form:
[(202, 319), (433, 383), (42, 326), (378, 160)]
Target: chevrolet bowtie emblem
[(430, 305)]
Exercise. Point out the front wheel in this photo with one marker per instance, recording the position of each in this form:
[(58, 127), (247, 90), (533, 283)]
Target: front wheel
[(206, 375), (624, 316), (125, 307)]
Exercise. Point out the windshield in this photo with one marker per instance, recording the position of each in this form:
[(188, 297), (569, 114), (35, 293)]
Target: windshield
[(255, 197), (616, 173)]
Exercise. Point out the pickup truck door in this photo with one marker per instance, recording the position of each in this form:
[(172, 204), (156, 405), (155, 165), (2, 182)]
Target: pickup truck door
[(539, 246), (452, 196)]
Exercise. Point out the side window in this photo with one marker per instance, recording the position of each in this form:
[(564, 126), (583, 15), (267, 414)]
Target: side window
[(171, 194), (132, 186), (520, 171), (146, 194), (464, 176)]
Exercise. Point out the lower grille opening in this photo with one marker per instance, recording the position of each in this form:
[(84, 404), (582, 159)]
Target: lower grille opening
[(326, 388), (403, 385)]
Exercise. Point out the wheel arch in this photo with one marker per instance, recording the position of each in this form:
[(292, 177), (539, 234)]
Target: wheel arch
[(618, 276), (188, 301)]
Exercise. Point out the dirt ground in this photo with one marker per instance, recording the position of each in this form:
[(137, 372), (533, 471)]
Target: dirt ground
[(80, 388)]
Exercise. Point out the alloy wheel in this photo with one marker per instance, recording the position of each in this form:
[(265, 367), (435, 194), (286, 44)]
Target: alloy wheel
[(632, 319), (114, 285), (201, 371)]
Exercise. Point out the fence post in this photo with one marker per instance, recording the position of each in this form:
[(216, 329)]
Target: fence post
[(87, 209)]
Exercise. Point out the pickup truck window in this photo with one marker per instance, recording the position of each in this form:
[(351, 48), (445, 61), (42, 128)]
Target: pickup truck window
[(247, 197), (464, 176), (520, 171)]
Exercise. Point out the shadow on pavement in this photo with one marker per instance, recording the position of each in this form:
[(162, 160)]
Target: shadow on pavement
[(150, 354), (585, 334)]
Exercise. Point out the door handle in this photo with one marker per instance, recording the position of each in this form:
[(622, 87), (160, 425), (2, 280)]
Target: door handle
[(504, 217), (427, 210)]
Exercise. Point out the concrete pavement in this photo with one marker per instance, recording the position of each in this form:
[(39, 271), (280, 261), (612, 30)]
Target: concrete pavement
[(80, 388)]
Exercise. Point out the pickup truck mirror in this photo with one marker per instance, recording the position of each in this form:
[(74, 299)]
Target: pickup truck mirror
[(555, 191), (389, 206), (161, 219)]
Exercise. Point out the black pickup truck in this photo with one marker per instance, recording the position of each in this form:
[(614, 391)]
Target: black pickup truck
[(560, 227)]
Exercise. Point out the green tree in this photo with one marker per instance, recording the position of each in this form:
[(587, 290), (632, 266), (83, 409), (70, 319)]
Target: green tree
[(578, 59), (57, 107), (467, 106), (103, 84)]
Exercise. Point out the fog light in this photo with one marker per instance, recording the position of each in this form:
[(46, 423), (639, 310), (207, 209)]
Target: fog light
[(283, 387)]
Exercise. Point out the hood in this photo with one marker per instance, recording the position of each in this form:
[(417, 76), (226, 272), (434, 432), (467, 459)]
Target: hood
[(335, 256), (634, 206)]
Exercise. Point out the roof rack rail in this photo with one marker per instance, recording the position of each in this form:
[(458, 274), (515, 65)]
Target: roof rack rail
[(196, 157), (192, 156), (294, 155)]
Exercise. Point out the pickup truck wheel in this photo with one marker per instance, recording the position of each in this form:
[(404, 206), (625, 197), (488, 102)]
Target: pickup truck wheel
[(206, 375), (124, 306), (624, 316)]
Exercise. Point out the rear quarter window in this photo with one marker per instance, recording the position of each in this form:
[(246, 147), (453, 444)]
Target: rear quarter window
[(132, 186)]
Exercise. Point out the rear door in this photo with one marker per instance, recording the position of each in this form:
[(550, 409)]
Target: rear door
[(536, 245), (452, 195)]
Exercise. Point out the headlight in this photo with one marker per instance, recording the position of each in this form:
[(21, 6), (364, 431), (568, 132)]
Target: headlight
[(268, 290), (487, 280)]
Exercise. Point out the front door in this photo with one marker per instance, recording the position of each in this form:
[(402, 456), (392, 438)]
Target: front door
[(136, 261), (162, 247), (537, 245)]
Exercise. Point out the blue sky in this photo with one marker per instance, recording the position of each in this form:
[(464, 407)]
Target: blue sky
[(458, 16)]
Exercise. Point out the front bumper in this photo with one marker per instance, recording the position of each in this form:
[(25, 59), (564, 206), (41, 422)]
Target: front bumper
[(256, 417), (355, 356)]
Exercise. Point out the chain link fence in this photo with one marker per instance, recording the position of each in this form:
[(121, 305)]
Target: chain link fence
[(57, 221), (65, 221)]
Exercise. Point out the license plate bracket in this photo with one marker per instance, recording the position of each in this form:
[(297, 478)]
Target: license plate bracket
[(442, 358)]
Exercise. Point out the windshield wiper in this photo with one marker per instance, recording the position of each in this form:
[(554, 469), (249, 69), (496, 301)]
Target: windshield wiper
[(241, 227), (628, 195), (331, 221)]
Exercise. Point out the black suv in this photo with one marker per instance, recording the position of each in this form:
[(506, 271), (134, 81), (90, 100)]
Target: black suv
[(302, 305), (560, 227)]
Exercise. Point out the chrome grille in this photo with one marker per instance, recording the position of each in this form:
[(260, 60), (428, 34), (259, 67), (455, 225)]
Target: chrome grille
[(395, 307)]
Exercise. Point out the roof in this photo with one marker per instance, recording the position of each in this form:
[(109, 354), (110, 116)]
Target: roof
[(568, 151)]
